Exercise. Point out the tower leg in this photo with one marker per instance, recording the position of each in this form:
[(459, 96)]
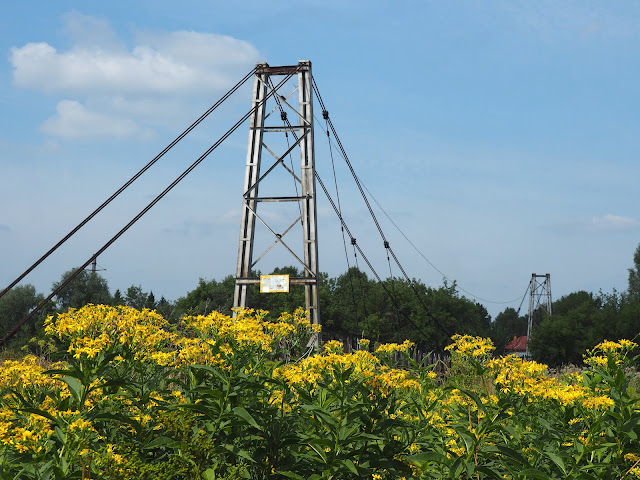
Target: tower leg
[(307, 199), (249, 205)]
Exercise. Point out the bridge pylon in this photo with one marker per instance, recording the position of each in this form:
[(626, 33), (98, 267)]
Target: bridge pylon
[(279, 116), (539, 299)]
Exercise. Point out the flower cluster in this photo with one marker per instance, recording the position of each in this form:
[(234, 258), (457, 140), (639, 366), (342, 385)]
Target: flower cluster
[(137, 398), (470, 346)]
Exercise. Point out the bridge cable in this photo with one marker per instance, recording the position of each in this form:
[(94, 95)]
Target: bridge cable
[(325, 115), (283, 116), (285, 120), (344, 155), (77, 271), (426, 259), (130, 181), (358, 182), (382, 283)]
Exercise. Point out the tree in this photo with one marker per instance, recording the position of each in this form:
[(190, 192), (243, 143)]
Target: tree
[(118, 299), (87, 287), (166, 309), (136, 297), (16, 304), (634, 278), (507, 325), (580, 321), (207, 297)]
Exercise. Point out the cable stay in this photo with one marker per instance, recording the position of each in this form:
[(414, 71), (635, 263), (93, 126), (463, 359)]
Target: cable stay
[(373, 216), (197, 162), (444, 276), (361, 185), (129, 182), (389, 293), (523, 297)]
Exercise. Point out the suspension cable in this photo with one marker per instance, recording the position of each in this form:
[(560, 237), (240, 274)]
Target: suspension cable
[(76, 272), (285, 121), (130, 181), (426, 259), (373, 216), (382, 283)]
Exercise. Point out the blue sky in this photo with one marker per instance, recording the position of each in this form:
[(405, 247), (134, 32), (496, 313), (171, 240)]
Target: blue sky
[(501, 137)]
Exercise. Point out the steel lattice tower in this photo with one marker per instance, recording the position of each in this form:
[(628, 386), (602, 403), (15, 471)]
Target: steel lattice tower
[(539, 298), (300, 128)]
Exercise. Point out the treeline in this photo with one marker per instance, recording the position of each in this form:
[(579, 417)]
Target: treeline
[(353, 306)]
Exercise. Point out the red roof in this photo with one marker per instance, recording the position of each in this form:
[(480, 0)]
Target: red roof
[(518, 344)]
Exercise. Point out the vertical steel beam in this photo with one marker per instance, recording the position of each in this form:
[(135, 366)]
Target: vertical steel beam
[(252, 173), (309, 209), (538, 290)]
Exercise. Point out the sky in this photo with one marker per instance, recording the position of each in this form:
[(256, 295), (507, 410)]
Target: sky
[(501, 138)]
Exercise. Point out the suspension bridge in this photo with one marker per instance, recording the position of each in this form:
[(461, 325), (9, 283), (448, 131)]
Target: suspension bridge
[(282, 122)]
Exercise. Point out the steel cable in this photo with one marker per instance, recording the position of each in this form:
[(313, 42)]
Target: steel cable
[(130, 181), (76, 272)]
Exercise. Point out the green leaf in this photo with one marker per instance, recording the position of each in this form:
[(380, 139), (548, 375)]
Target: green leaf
[(533, 473), (428, 457), (295, 476), (159, 441), (242, 413), (488, 472), (75, 387), (37, 411), (239, 452), (352, 468), (555, 458), (456, 469), (209, 474), (509, 452)]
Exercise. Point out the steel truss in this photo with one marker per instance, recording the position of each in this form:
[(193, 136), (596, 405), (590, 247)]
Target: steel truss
[(301, 130)]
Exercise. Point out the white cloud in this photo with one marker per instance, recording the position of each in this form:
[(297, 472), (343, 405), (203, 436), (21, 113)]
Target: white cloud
[(75, 121), (173, 68), (613, 222), (102, 75)]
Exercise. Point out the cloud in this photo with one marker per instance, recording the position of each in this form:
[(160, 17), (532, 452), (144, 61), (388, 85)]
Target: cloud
[(75, 121), (185, 63), (613, 223), (101, 75)]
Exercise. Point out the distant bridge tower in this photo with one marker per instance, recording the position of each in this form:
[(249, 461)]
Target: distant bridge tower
[(539, 298), (273, 121)]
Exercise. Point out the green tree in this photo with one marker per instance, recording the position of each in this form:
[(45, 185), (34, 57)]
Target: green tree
[(634, 278), (208, 296), (580, 321), (136, 297), (15, 305), (166, 309), (118, 299), (87, 287), (507, 325)]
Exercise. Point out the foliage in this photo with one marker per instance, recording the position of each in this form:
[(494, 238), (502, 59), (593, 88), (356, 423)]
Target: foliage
[(506, 326), (634, 277), (214, 397), (15, 305), (87, 287)]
